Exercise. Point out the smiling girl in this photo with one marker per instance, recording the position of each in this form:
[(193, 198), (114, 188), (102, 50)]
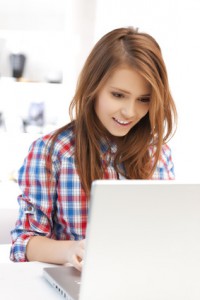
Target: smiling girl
[(122, 115)]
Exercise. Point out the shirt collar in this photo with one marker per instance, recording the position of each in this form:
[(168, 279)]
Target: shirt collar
[(107, 146)]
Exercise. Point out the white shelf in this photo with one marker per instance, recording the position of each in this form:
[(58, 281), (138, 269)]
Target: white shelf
[(16, 98)]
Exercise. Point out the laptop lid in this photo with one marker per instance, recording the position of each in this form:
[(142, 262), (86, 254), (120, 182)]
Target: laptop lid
[(143, 241)]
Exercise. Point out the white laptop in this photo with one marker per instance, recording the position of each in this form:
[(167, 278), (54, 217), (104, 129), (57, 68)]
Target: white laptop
[(143, 243)]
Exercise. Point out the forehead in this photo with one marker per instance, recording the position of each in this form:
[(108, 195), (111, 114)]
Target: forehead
[(128, 79)]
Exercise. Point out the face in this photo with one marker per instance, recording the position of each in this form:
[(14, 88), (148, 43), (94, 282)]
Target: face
[(123, 101)]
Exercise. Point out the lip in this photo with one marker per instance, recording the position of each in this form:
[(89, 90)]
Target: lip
[(122, 122)]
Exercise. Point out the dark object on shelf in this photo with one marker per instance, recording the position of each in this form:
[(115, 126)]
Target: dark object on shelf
[(35, 119), (17, 62), (36, 114)]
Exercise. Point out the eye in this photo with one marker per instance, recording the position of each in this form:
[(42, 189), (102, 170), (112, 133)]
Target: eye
[(117, 95), (144, 99)]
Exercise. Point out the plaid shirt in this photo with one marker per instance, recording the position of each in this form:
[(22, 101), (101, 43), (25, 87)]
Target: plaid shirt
[(60, 212)]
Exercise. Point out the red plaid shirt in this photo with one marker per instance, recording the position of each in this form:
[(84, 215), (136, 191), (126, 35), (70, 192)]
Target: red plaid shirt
[(61, 212)]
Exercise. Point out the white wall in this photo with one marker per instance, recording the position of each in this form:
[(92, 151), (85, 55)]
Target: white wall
[(79, 32)]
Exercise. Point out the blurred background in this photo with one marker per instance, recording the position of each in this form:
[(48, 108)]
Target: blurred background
[(43, 45)]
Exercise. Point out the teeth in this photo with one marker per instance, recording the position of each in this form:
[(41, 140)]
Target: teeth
[(121, 122)]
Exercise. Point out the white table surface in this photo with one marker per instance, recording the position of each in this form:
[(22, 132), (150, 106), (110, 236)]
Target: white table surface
[(25, 281), (5, 253)]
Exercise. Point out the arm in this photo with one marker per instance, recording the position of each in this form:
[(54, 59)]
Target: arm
[(43, 249), (35, 234)]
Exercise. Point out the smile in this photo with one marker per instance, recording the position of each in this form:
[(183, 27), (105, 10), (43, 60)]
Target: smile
[(124, 123)]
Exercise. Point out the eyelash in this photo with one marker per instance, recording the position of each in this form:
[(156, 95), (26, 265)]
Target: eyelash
[(117, 95), (120, 95), (144, 100)]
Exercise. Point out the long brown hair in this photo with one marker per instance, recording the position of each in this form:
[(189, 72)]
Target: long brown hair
[(141, 52)]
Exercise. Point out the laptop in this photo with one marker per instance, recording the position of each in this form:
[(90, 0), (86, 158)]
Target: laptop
[(142, 242)]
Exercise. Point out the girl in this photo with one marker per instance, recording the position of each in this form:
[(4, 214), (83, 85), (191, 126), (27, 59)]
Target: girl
[(122, 115)]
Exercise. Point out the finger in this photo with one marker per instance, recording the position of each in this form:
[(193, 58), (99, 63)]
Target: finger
[(80, 254), (77, 263)]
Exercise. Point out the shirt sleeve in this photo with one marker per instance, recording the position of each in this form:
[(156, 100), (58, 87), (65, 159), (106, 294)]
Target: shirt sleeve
[(36, 202), (165, 166)]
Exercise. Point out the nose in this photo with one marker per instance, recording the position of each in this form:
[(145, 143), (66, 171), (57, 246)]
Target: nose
[(129, 109)]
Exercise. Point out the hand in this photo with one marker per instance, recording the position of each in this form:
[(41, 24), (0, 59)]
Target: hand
[(75, 253)]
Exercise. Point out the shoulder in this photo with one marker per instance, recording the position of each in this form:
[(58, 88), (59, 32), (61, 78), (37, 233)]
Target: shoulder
[(62, 144), (165, 156), (165, 166)]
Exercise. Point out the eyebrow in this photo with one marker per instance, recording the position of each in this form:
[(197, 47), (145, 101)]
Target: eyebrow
[(128, 93)]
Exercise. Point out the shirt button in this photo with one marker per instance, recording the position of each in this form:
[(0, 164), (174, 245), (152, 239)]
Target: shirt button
[(29, 210)]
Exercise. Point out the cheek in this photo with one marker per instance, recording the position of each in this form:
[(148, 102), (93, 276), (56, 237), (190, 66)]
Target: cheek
[(144, 110), (103, 106)]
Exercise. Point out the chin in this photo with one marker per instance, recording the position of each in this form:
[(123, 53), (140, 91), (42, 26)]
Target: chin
[(119, 134)]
